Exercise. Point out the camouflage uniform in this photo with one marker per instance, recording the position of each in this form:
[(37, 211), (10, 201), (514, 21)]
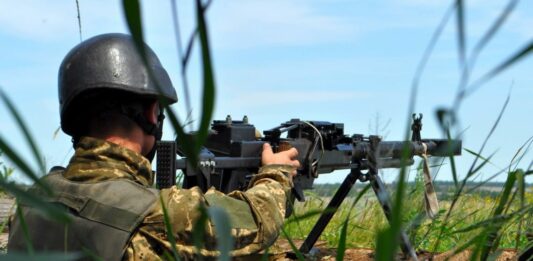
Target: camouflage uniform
[(256, 214)]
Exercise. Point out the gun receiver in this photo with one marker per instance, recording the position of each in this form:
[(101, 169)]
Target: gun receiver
[(232, 154)]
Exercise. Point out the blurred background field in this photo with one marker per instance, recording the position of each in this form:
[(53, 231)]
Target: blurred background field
[(367, 218)]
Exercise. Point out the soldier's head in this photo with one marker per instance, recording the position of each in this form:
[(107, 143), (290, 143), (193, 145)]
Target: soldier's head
[(105, 89)]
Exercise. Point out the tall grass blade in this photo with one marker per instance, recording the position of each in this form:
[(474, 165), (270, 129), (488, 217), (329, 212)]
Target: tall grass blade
[(359, 196), (416, 223), (461, 220), (341, 248), (494, 220), (492, 230), (350, 211), (426, 235), (494, 28), (185, 57), (309, 214), (132, 13), (199, 229), (386, 246), (479, 47), (460, 14), (452, 162), (487, 180), (513, 195), (208, 100), (183, 62), (468, 244), (222, 224), (477, 155), (25, 232), (36, 201), (79, 18), (169, 230), (521, 190), (388, 240), (429, 49), (523, 151), (494, 126), (21, 164), (459, 191), (517, 56), (297, 252), (23, 127), (190, 45), (483, 163), (185, 141)]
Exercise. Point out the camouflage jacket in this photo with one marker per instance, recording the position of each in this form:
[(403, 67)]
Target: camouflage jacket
[(256, 214)]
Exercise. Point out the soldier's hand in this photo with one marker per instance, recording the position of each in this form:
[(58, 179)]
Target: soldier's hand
[(288, 157)]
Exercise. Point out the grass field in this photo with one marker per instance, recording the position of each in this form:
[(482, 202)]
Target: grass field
[(367, 219)]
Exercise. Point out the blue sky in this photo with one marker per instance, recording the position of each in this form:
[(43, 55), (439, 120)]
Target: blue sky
[(338, 61)]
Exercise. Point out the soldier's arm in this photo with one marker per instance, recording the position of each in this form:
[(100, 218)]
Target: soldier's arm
[(266, 200), (256, 215)]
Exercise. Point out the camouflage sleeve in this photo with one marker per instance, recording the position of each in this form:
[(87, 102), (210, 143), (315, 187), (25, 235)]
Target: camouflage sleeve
[(256, 216), (266, 197)]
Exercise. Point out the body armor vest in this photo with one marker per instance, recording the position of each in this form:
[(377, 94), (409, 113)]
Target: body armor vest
[(104, 216)]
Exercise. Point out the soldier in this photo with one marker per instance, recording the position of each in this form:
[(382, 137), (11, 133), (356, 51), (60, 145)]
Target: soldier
[(110, 107)]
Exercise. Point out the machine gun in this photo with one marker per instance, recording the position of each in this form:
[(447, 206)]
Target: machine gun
[(232, 154)]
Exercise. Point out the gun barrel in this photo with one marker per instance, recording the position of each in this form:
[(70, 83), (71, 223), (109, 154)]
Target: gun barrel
[(394, 149)]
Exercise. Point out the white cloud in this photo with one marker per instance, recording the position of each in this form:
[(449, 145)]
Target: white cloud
[(264, 99), (246, 24)]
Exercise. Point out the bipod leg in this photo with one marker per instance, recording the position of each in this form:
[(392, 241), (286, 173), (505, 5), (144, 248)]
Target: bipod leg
[(330, 210), (384, 201)]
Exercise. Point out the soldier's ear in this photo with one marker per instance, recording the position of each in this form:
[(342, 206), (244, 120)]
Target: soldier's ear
[(151, 112)]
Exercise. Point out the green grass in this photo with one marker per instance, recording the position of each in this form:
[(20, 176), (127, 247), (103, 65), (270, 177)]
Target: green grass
[(367, 220)]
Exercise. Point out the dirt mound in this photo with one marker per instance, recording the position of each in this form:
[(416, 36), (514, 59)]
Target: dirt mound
[(282, 251)]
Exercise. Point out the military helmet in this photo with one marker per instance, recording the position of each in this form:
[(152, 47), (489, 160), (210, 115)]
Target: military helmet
[(107, 63)]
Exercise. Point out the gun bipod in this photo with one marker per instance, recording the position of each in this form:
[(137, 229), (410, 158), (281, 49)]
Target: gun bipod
[(380, 192), (338, 198)]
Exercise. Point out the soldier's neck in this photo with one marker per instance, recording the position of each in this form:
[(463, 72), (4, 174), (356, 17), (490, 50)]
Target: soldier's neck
[(134, 139), (126, 143)]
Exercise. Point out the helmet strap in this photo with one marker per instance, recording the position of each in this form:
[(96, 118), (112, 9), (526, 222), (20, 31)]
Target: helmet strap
[(155, 130)]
